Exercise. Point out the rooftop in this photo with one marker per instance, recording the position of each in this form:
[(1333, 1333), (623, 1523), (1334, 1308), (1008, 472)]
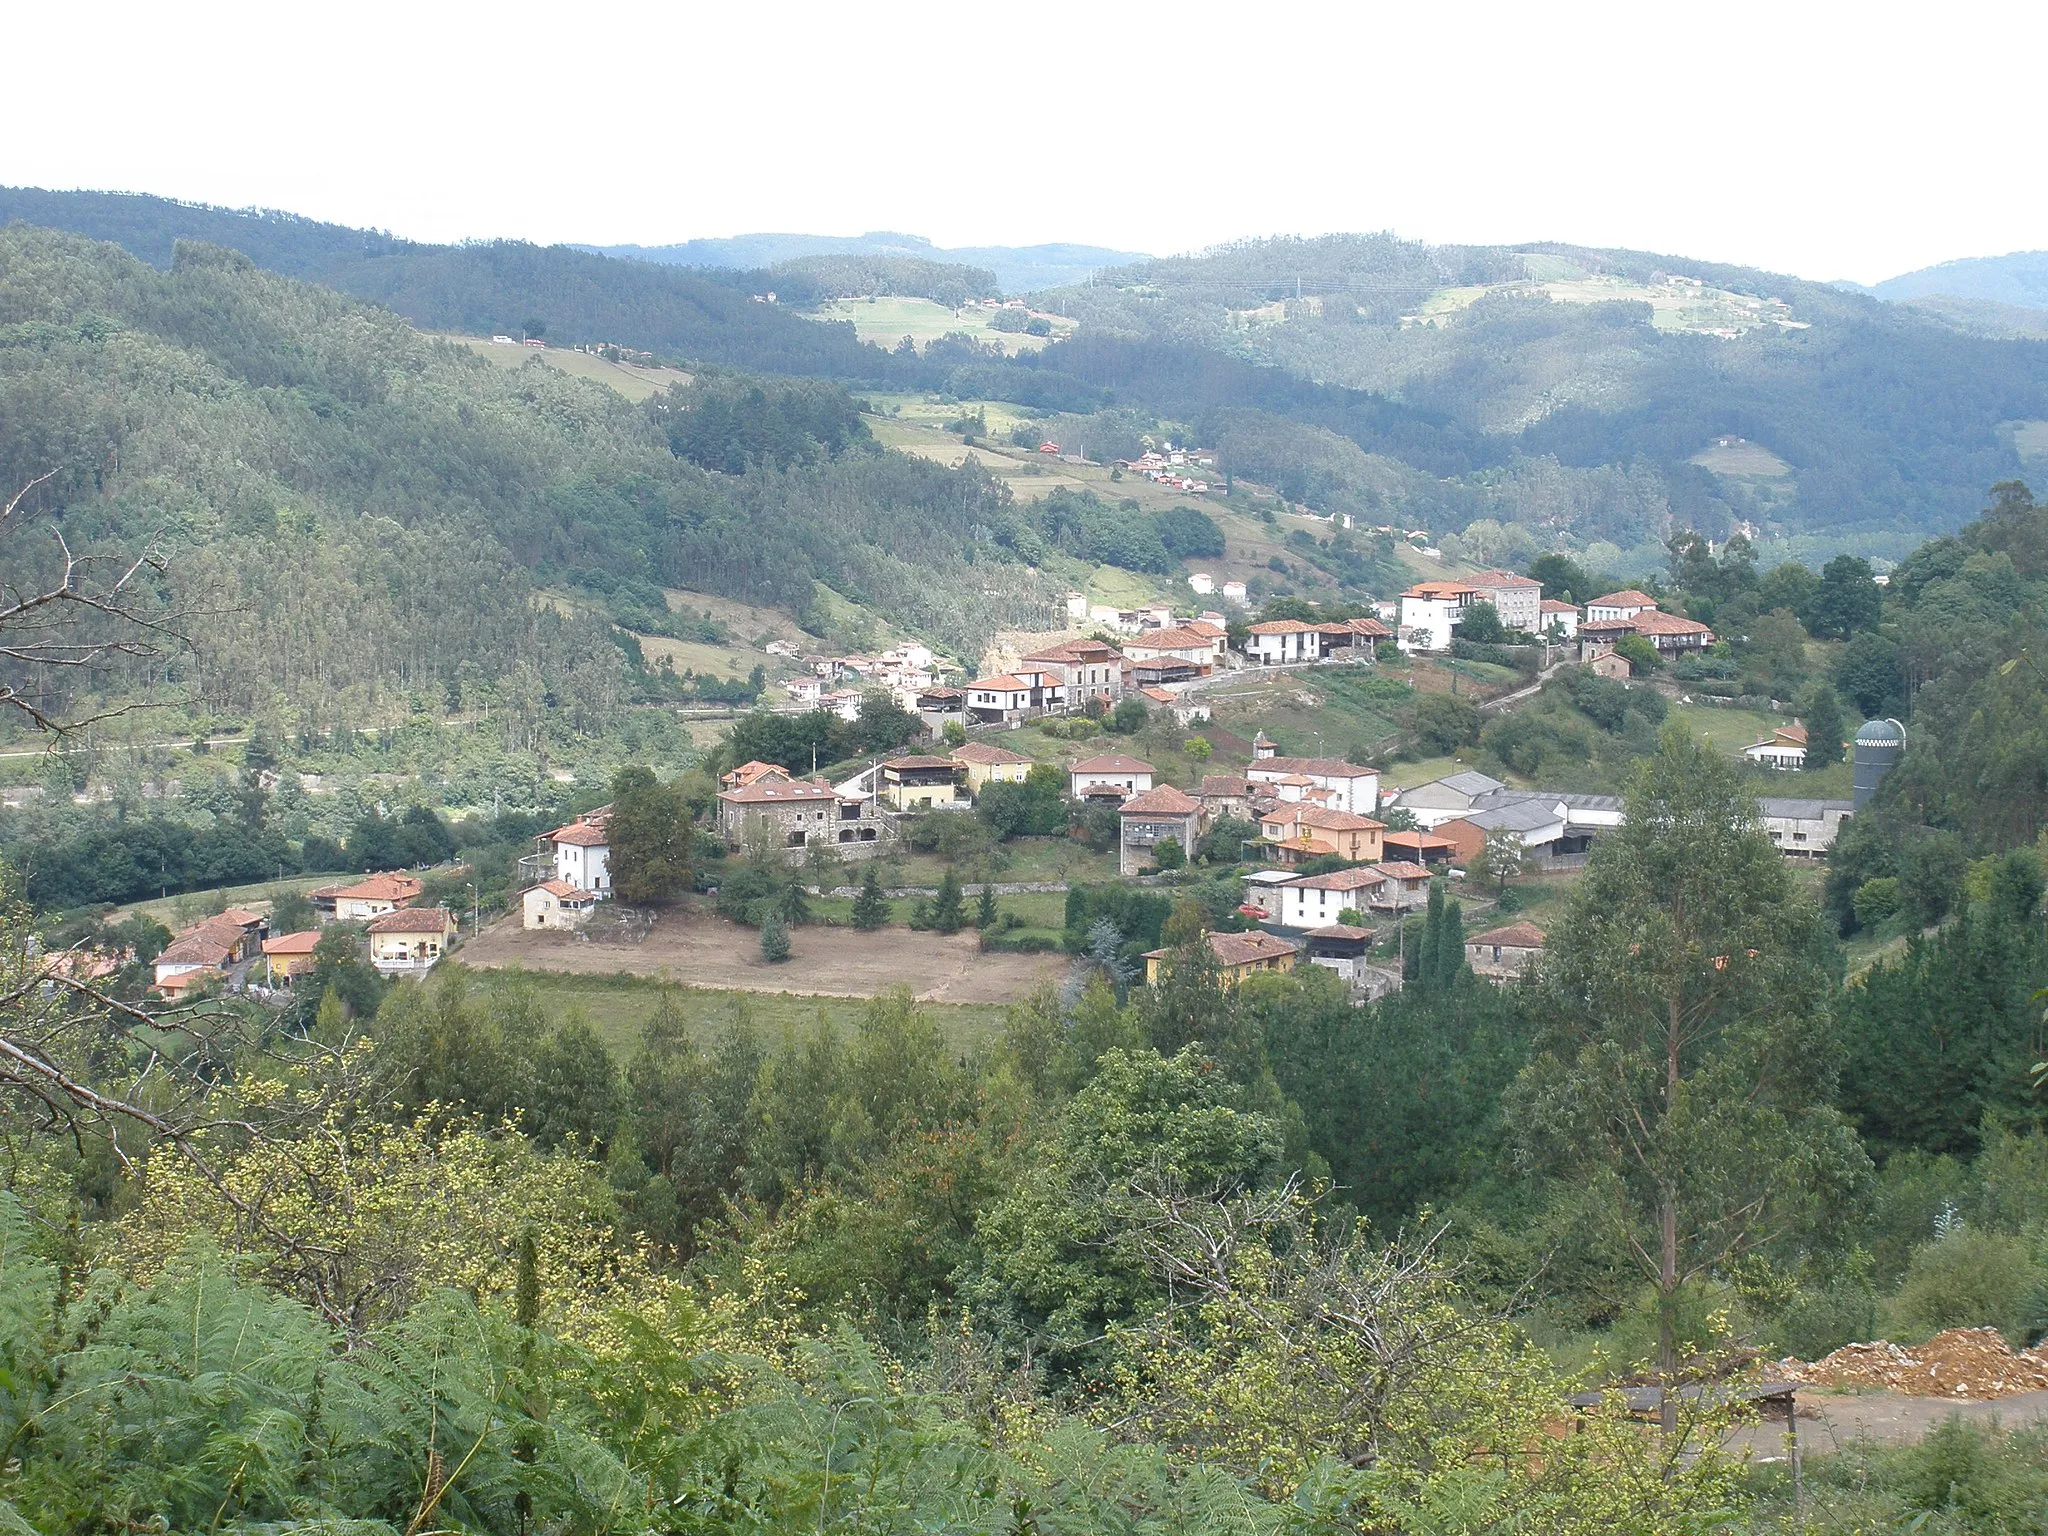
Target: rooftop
[(1400, 869), (1514, 816), (300, 943), (414, 920), (1002, 682), (1114, 762), (915, 760), (988, 754), (1499, 579), (1343, 879), (1513, 936), (1315, 767), (584, 834), (1163, 801), (1283, 627), (1628, 597), (1471, 783), (562, 890), (778, 792), (1184, 638), (1803, 810), (200, 947), (393, 885), (1239, 948)]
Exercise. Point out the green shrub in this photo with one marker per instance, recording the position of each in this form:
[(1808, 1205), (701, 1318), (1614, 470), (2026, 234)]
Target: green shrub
[(1972, 1279), (1875, 900)]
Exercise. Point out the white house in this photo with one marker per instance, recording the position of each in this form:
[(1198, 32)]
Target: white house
[(1283, 642), (1430, 610), (1233, 592), (1314, 901), (1784, 748), (1202, 582), (1563, 617), (1007, 696), (1350, 787), (583, 853), (1196, 647), (1615, 606), (1098, 775)]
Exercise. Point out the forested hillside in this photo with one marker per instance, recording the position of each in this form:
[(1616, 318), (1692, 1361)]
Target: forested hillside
[(354, 508), (1581, 393), (1477, 359), (484, 287)]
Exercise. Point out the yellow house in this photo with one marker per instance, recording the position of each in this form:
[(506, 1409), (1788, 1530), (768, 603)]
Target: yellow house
[(987, 763), (290, 955), (1238, 955), (411, 939), (919, 783)]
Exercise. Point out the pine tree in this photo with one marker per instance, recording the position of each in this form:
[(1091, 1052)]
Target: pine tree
[(947, 908), (870, 907), (774, 939), (1422, 969), (1450, 946), (1824, 728), (796, 901), (985, 909)]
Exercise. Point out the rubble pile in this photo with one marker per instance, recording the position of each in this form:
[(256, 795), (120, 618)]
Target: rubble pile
[(1963, 1362)]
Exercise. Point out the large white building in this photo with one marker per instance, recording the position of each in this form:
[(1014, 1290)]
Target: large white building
[(1345, 786), (583, 853), (1518, 599), (1430, 610)]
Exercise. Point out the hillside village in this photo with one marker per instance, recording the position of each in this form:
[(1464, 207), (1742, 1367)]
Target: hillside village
[(1331, 860)]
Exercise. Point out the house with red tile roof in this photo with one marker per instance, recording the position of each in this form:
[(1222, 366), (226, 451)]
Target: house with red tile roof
[(555, 904), (1112, 773), (1237, 955)]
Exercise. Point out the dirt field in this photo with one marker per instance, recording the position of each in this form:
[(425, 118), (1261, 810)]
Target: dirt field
[(826, 962)]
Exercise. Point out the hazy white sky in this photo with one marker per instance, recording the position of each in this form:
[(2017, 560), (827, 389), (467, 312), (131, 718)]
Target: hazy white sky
[(1828, 140)]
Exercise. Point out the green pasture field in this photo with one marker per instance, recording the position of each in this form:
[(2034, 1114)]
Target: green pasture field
[(618, 1008), (635, 384), (886, 320)]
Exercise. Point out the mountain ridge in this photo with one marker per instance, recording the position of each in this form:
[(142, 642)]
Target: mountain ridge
[(1018, 268)]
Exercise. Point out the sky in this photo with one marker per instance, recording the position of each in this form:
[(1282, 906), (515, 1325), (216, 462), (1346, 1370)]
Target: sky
[(1823, 140)]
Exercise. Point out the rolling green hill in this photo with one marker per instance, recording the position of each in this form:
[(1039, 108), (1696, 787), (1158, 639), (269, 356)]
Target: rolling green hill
[(356, 508), (1572, 394)]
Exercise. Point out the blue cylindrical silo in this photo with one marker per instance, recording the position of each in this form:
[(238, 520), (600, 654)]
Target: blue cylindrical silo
[(1878, 745)]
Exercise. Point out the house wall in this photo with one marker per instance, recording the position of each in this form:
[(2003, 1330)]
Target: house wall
[(1130, 783), (1142, 835), (588, 869)]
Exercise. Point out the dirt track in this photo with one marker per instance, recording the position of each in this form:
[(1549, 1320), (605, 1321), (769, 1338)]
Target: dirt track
[(1831, 1420), (830, 962)]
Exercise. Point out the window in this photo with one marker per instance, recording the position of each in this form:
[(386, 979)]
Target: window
[(796, 838)]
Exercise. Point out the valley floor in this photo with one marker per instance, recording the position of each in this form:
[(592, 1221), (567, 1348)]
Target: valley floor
[(703, 951)]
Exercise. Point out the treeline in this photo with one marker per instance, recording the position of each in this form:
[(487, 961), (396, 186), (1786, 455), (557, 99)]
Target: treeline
[(136, 858), (808, 280)]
